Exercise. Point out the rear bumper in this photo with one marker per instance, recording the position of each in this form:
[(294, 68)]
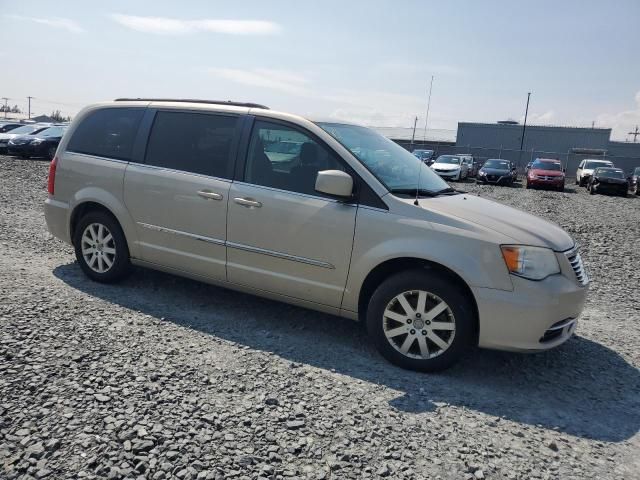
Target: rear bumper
[(56, 215), (535, 316)]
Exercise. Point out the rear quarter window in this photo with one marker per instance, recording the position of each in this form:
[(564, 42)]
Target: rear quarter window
[(109, 133)]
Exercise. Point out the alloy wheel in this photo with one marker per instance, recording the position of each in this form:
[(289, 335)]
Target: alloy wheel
[(419, 324), (98, 247)]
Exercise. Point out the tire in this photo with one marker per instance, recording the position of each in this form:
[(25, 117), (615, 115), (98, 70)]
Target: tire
[(581, 182), (577, 181), (89, 228), (561, 188), (423, 354), (590, 190)]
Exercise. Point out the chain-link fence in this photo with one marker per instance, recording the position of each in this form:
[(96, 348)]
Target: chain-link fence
[(570, 159)]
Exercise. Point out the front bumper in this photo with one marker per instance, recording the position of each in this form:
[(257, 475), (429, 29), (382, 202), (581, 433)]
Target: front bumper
[(546, 182), (535, 316), (27, 149), (454, 175), (495, 179), (610, 187)]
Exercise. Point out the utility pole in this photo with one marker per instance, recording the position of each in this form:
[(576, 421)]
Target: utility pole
[(29, 98), (413, 136), (5, 106), (524, 126), (426, 117), (635, 134)]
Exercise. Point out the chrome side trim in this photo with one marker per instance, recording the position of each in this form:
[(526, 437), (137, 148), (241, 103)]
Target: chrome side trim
[(297, 194), (286, 256), (239, 246), (202, 238)]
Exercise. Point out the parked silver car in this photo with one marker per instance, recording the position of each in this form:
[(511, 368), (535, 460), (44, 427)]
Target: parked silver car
[(329, 216)]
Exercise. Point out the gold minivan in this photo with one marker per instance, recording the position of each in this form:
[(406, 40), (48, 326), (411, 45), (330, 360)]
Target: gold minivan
[(325, 215)]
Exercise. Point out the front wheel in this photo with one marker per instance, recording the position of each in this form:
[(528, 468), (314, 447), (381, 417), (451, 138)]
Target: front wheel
[(101, 247), (421, 321)]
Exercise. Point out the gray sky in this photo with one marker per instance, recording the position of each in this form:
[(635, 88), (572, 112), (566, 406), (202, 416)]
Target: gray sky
[(364, 61)]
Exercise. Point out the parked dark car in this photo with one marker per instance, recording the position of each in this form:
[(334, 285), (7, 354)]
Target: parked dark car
[(41, 144), (496, 171), (8, 126), (425, 155), (21, 130), (634, 181), (546, 173), (608, 180)]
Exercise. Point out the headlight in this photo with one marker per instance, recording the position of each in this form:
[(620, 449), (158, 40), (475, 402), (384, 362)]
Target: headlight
[(534, 263), (37, 141), (481, 173), (532, 175)]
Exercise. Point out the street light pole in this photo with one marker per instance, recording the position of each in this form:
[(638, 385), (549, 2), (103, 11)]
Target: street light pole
[(29, 98), (524, 126)]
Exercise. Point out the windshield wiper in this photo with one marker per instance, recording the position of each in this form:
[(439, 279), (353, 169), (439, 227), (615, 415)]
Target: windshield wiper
[(412, 191)]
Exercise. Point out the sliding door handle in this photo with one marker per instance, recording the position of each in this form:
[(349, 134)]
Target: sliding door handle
[(247, 202), (210, 195)]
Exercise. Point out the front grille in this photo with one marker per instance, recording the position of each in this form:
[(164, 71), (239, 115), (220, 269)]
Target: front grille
[(578, 267), (547, 177)]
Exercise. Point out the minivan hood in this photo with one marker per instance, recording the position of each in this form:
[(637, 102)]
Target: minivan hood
[(522, 227)]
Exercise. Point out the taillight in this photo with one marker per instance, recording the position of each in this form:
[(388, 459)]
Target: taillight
[(52, 175)]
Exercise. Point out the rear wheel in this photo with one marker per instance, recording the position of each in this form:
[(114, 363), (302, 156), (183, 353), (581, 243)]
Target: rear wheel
[(101, 247), (420, 321)]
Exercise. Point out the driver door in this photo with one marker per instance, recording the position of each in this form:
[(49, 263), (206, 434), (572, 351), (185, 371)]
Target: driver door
[(283, 236)]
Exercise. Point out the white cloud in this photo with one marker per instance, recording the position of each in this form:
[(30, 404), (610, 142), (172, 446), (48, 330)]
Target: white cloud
[(175, 26), (360, 106), (281, 80), (546, 118), (621, 123), (55, 22)]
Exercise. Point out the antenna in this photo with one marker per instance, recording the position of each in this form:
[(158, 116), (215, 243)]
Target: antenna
[(426, 117), (421, 163)]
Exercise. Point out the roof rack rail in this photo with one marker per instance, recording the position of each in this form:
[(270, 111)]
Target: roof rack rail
[(192, 100)]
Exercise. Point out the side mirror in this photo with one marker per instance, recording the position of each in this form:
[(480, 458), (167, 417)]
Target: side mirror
[(334, 182)]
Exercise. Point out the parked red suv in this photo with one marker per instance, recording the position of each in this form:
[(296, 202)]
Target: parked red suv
[(546, 172)]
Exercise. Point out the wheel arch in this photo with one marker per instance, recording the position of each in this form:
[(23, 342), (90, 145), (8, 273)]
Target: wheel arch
[(390, 267), (82, 209)]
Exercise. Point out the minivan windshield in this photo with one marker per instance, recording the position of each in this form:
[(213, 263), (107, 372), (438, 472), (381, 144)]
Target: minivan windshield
[(542, 165), (395, 167)]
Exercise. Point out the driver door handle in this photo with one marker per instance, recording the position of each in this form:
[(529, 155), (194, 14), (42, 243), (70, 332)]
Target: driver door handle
[(210, 195), (247, 202)]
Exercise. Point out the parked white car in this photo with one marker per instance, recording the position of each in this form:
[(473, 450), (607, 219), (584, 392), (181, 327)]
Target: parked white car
[(586, 168), (451, 167)]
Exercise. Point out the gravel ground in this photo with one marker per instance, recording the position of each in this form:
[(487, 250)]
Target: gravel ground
[(161, 377)]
